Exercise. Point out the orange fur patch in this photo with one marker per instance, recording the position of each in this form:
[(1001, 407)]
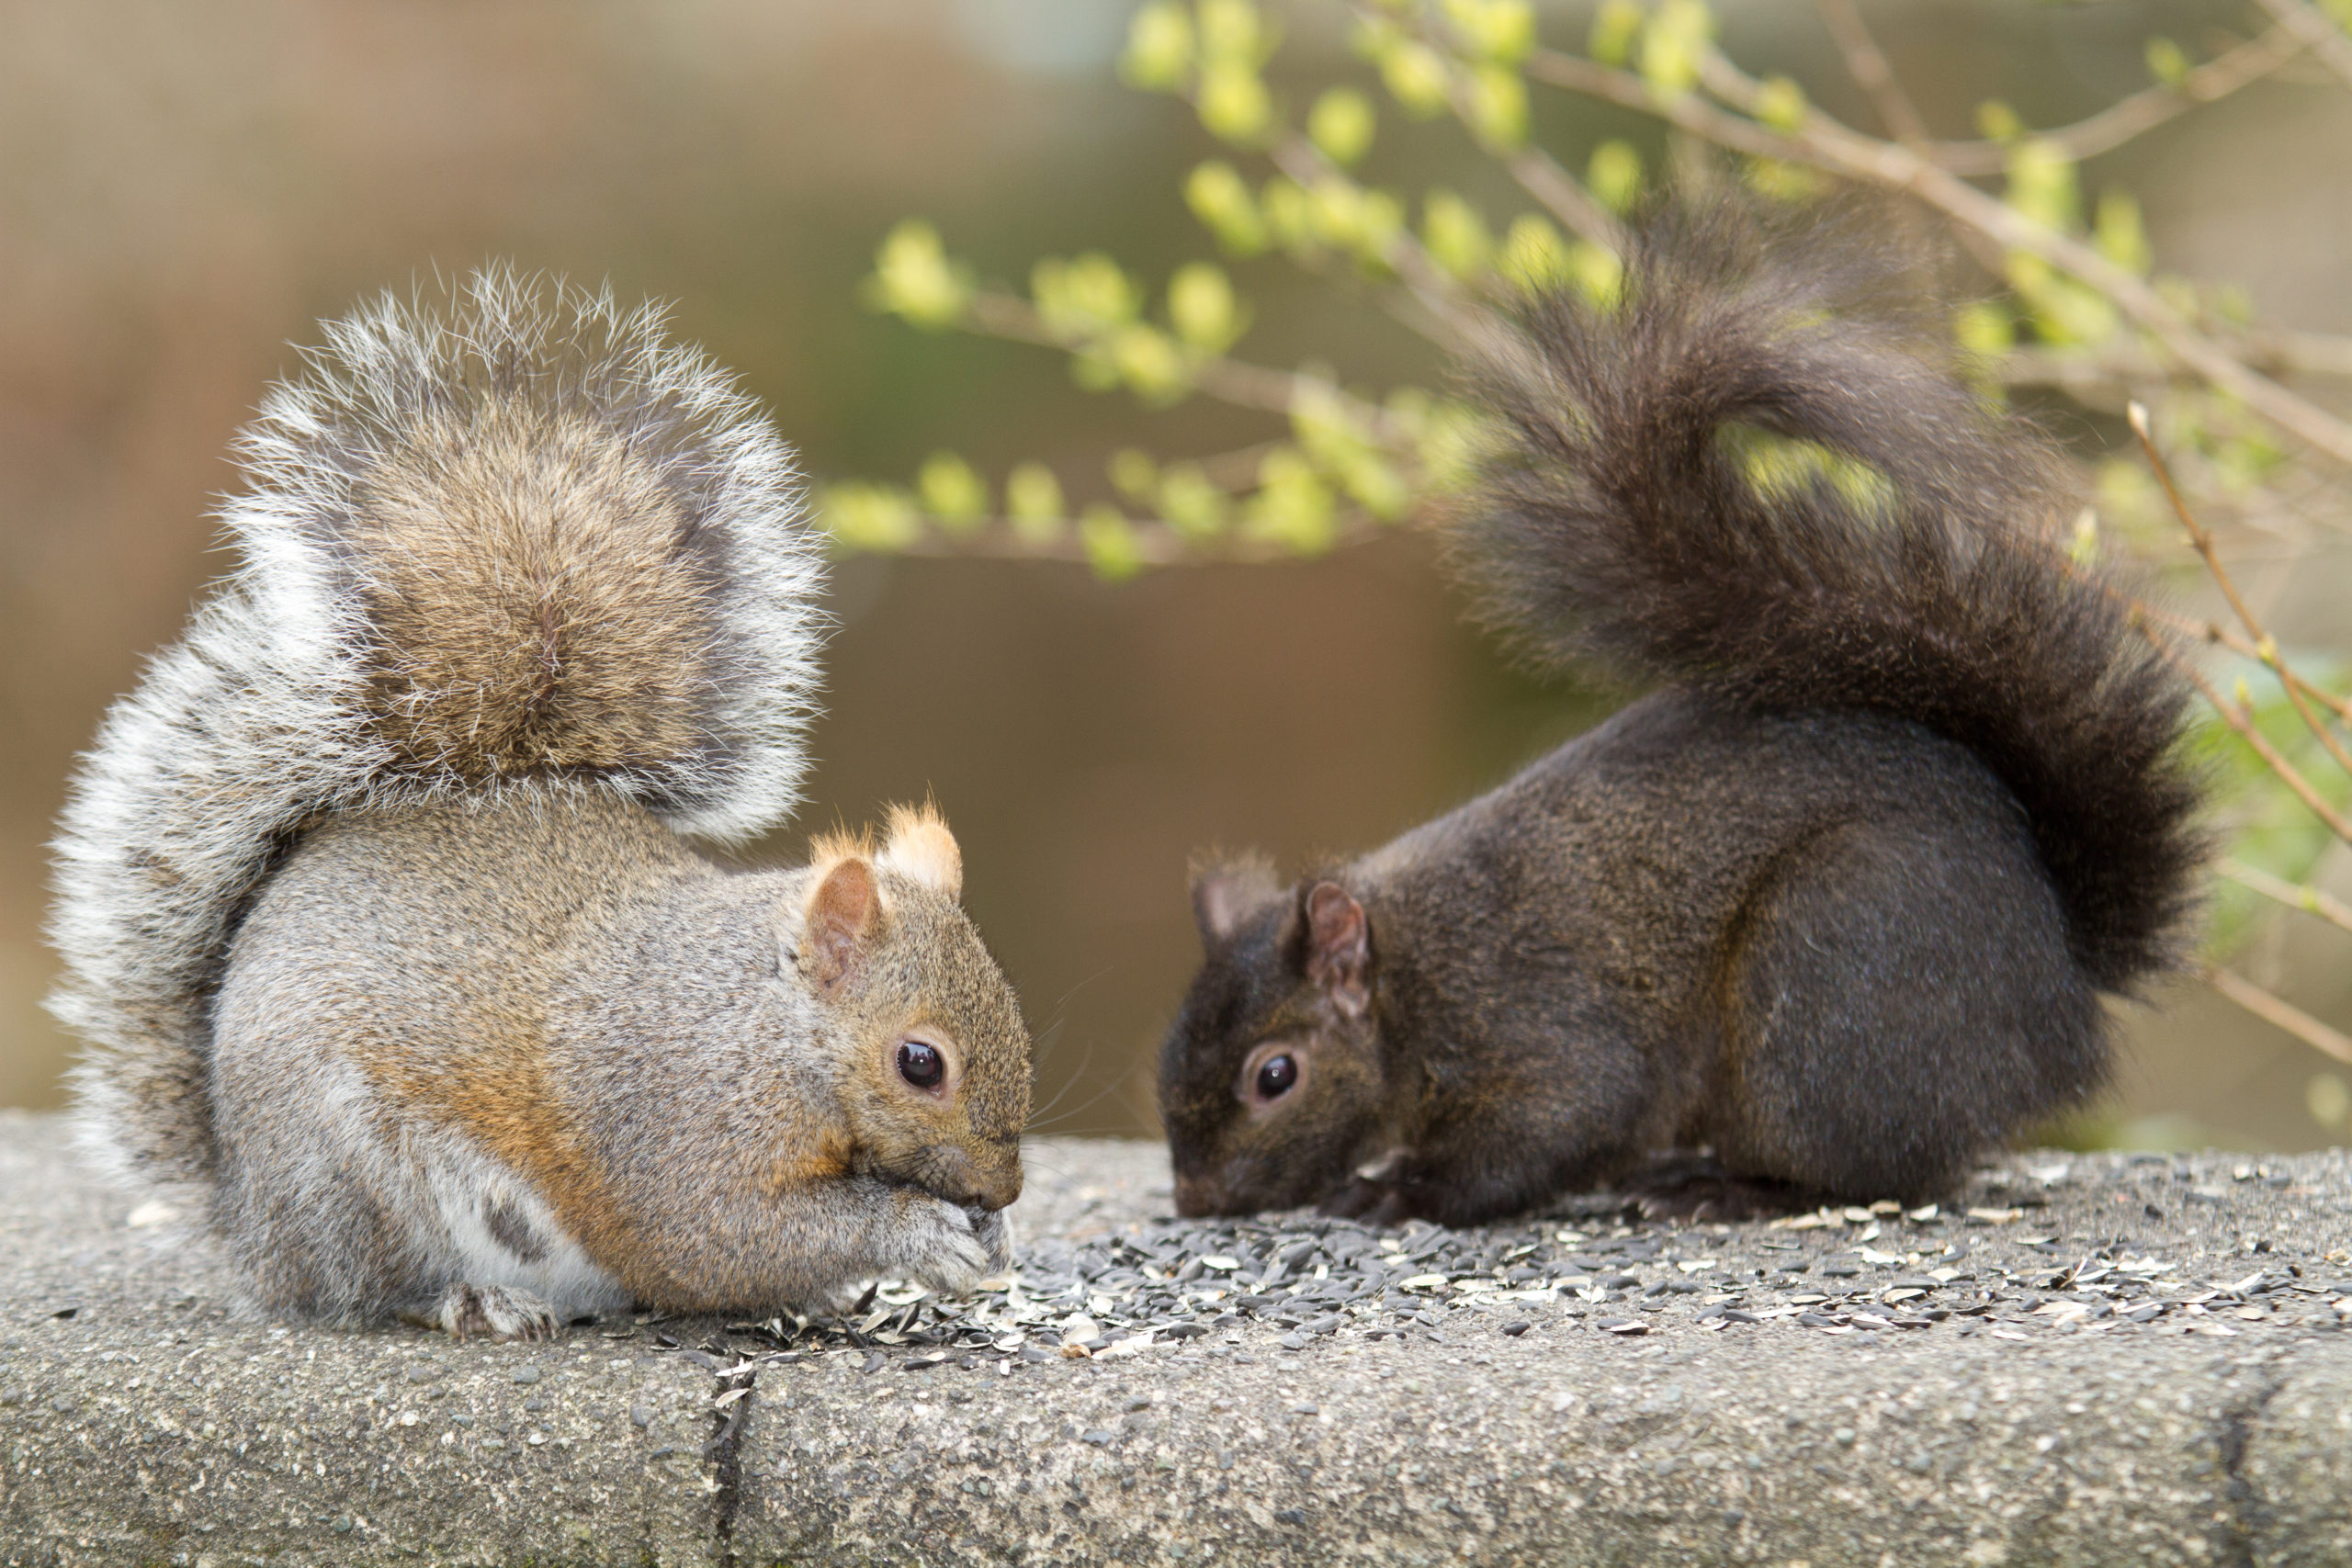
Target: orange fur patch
[(921, 849)]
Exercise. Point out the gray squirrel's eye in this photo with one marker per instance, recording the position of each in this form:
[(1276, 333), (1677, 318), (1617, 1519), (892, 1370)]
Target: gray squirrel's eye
[(1276, 1076), (921, 1064)]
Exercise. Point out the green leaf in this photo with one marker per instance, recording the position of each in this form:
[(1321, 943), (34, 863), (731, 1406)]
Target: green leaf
[(1780, 104), (1202, 307), (1342, 125), (1496, 106), (1998, 122), (1233, 32), (1415, 76), (1615, 175), (1502, 32), (1596, 272), (1533, 257), (2168, 63), (2042, 184), (1159, 57), (1085, 297), (1133, 472), (1673, 44), (1288, 216), (1191, 502), (1150, 363), (1233, 104), (1293, 509), (870, 517), (1110, 542), (1455, 234), (913, 279), (1616, 28), (1033, 498), (952, 492), (2122, 239), (1220, 200)]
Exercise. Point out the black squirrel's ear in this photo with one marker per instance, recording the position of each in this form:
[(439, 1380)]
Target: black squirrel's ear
[(1226, 891), (1339, 946), (842, 916)]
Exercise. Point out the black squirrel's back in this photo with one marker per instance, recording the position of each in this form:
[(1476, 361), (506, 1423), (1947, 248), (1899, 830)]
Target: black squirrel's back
[(1837, 900), (1646, 515)]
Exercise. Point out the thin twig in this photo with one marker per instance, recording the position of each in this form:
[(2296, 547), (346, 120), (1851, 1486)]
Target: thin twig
[(1867, 64), (2295, 896), (1824, 145), (2316, 32), (2283, 1015), (2121, 363), (1228, 381), (1541, 176), (2266, 647), (2242, 721), (2140, 113)]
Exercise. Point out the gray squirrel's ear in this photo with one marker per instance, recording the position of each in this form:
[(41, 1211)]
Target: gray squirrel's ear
[(1226, 891), (1339, 946), (921, 849), (842, 916)]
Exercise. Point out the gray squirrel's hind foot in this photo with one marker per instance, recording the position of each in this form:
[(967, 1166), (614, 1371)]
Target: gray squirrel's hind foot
[(498, 1311), (1694, 1187)]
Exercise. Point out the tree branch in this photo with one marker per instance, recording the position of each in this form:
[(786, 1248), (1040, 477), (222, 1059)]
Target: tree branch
[(2315, 32), (1824, 144), (2295, 896), (1868, 66), (2282, 1015)]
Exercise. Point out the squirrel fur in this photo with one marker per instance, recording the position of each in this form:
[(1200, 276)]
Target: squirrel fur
[(375, 900), (1836, 901)]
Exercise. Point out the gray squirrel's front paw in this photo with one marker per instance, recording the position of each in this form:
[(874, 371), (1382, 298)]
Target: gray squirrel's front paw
[(950, 1249), (494, 1310)]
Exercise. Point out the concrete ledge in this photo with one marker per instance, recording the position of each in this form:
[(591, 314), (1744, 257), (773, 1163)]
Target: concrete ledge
[(140, 1422)]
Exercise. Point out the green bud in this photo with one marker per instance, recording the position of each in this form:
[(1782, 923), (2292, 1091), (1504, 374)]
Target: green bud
[(1083, 297), (1500, 31), (871, 517), (1780, 180), (1496, 106), (1233, 33), (2043, 184), (1780, 104), (2122, 240), (1222, 202), (2168, 63), (1415, 76), (1615, 175), (1202, 307), (1673, 44), (2083, 549), (1192, 505), (1616, 27), (1455, 235), (1996, 122), (1150, 362), (1233, 104), (913, 279), (1033, 498), (1596, 272), (1341, 124), (952, 492), (1133, 472), (1112, 548), (1533, 257), (1159, 57), (1380, 218), (1293, 508), (1983, 329), (1288, 215)]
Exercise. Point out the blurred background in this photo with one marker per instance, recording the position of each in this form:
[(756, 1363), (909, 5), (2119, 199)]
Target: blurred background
[(185, 190)]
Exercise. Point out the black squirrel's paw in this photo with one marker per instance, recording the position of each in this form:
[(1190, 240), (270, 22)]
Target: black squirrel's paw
[(1377, 1204), (942, 1246), (1694, 1187), (494, 1310)]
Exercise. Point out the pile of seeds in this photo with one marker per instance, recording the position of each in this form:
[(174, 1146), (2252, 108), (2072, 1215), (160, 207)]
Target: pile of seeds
[(2092, 1244)]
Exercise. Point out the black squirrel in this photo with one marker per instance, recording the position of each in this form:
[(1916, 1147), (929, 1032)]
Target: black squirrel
[(397, 968), (1839, 901)]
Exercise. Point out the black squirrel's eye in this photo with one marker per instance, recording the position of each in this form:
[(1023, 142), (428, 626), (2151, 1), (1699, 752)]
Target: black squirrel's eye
[(921, 1064), (1276, 1076)]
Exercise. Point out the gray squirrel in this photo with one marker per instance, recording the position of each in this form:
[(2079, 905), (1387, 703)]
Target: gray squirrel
[(1836, 902), (377, 907)]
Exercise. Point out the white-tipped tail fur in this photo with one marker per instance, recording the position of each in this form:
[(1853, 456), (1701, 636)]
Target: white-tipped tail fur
[(522, 543)]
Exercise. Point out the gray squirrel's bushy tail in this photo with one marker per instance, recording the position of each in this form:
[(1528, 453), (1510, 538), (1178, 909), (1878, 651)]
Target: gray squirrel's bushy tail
[(520, 543), (1759, 472)]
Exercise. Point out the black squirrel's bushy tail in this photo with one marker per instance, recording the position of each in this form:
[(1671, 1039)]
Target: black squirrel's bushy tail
[(1759, 473)]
